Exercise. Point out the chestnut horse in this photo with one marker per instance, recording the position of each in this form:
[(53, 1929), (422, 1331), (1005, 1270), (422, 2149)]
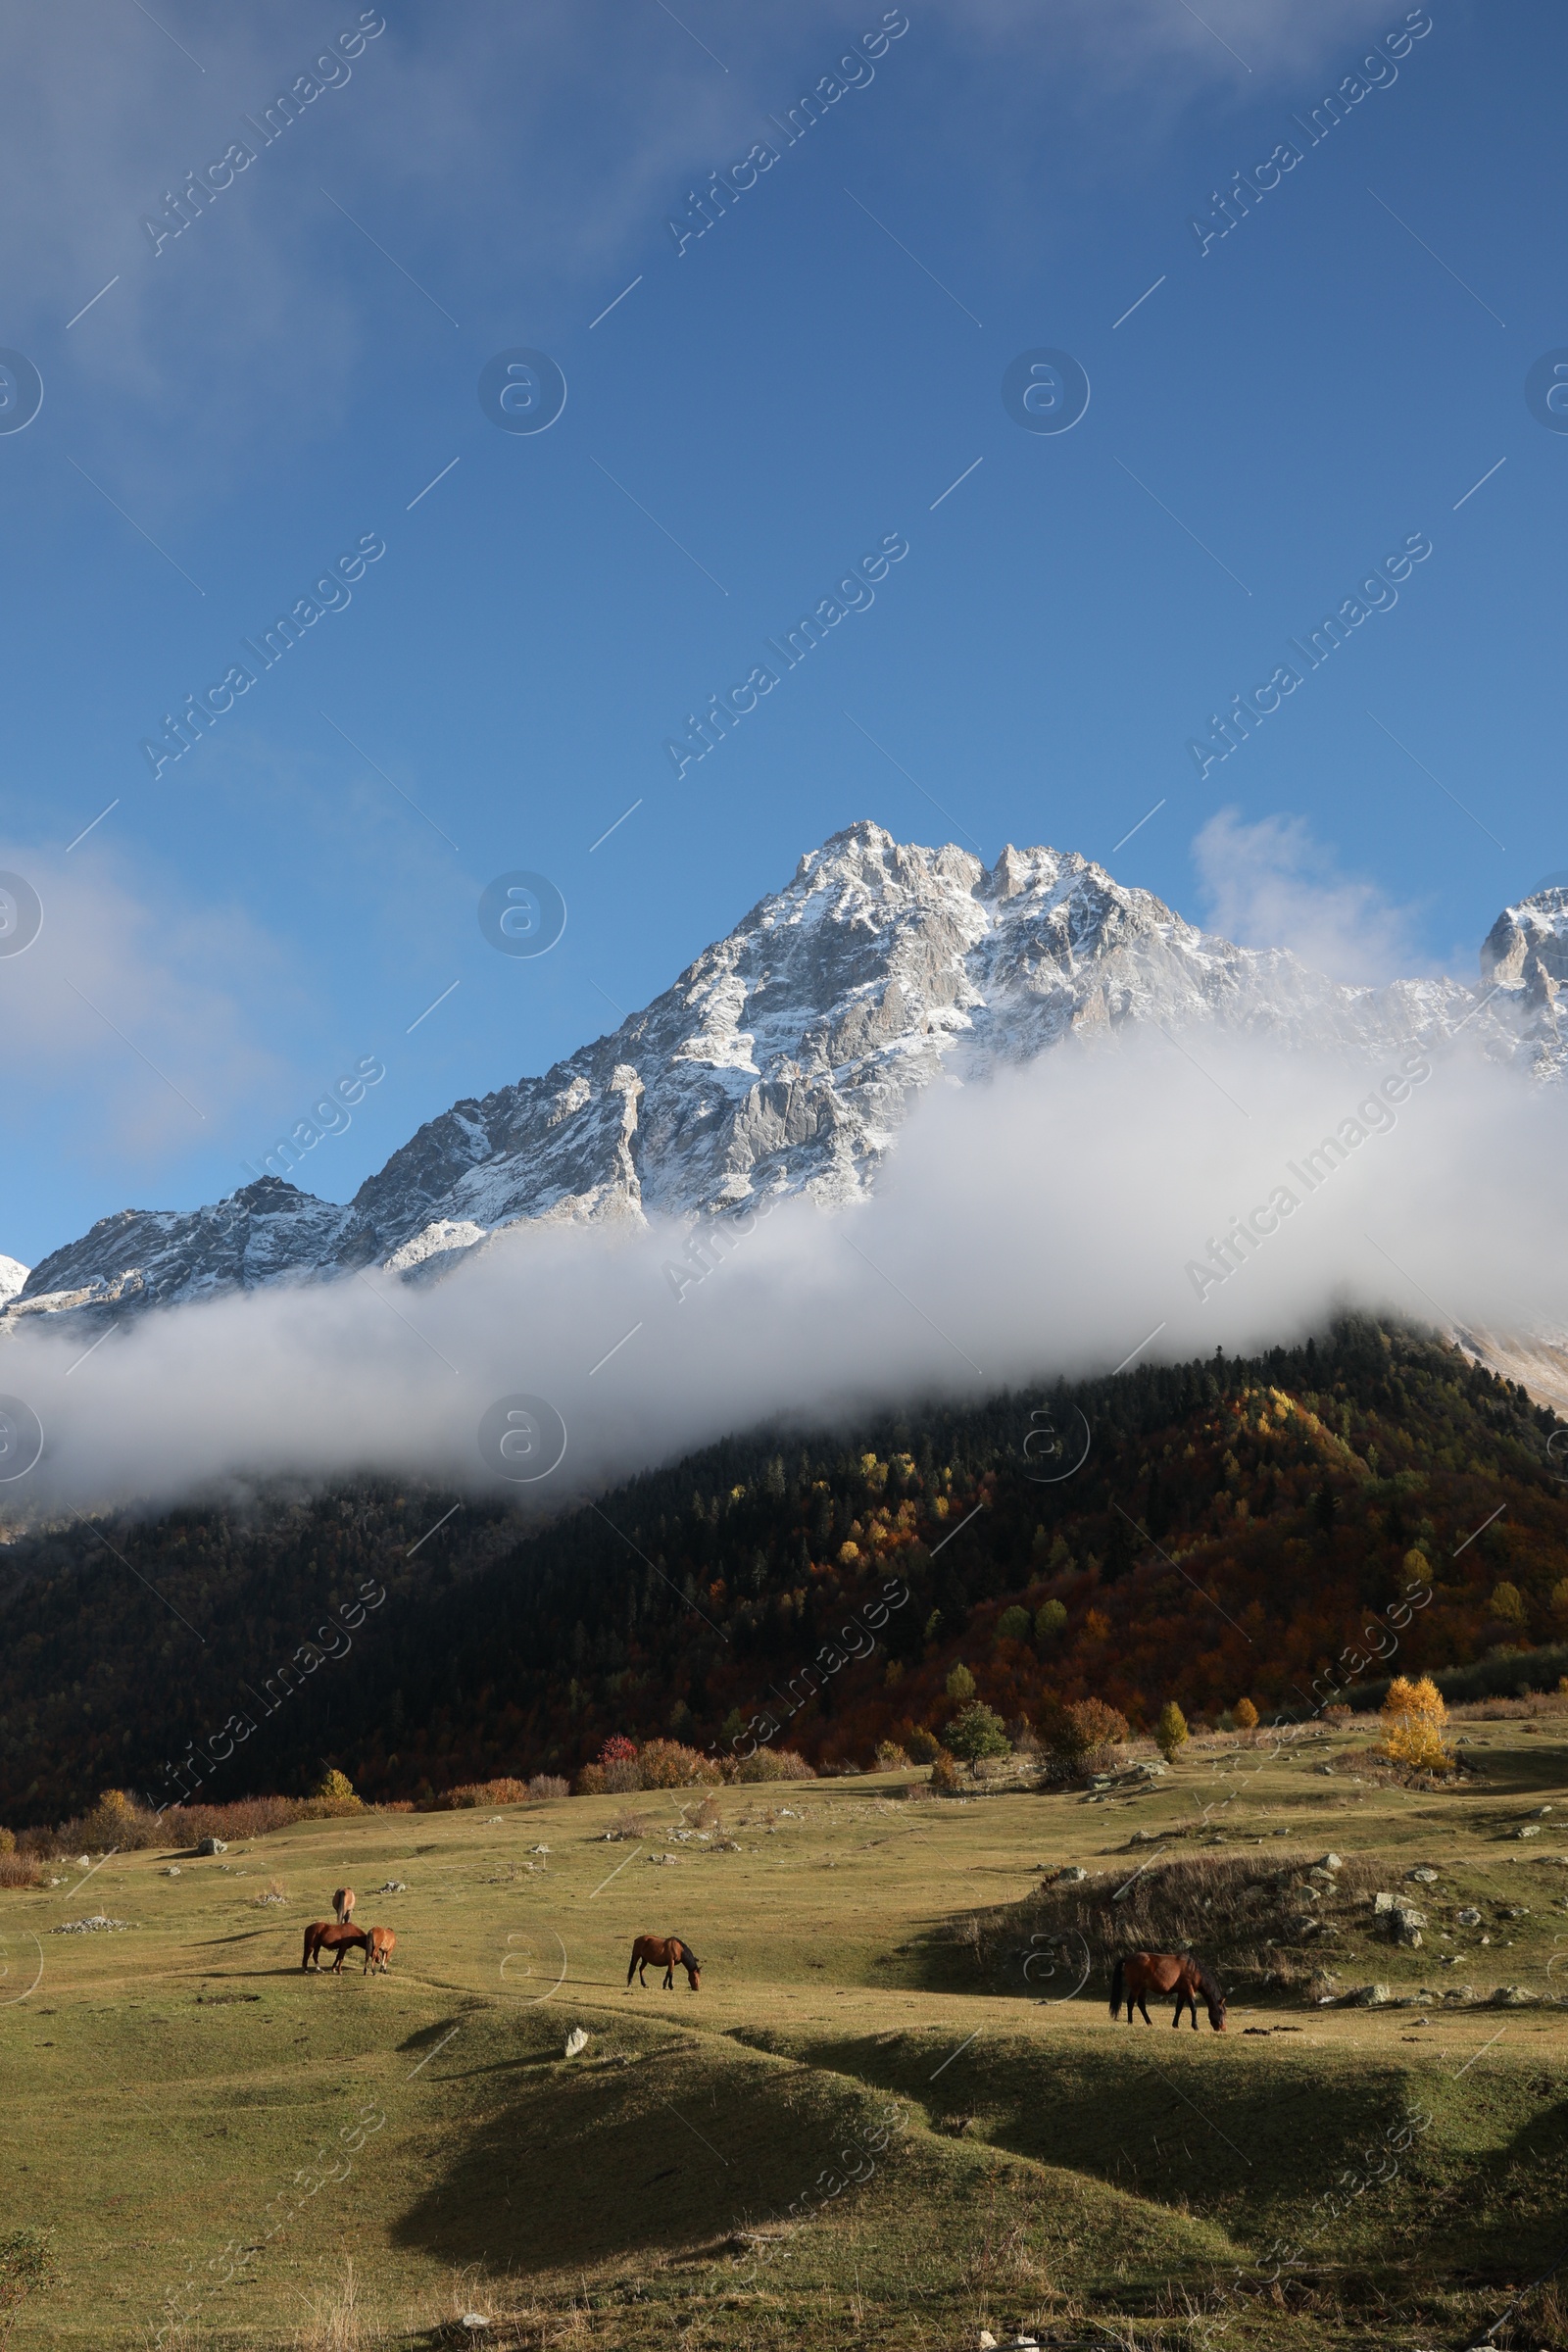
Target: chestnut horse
[(1139, 1974), (325, 1936), (378, 1949), (343, 1905), (667, 1951)]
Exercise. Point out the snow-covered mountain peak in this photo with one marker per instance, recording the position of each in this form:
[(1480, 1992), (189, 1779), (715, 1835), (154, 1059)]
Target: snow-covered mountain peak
[(786, 1057)]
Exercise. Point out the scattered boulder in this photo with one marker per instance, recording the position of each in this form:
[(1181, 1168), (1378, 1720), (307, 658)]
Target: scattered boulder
[(1423, 1875), (173, 1871), (1469, 1917), (394, 1887), (212, 1846), (1369, 1996), (576, 2040), (1071, 1873), (1528, 1830), (1513, 1996), (98, 1924)]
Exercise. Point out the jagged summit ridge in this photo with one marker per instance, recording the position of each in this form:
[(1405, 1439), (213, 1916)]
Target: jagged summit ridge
[(785, 1057)]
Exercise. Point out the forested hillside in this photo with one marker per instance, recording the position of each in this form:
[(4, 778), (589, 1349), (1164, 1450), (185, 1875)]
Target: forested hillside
[(1230, 1532)]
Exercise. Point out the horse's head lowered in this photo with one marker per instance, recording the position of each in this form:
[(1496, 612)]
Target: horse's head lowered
[(1216, 1999), (692, 1965)]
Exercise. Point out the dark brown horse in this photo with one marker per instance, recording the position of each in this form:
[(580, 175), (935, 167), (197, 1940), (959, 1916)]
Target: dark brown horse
[(325, 1936), (1139, 1974), (666, 1952)]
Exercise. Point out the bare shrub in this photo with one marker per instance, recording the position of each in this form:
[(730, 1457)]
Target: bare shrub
[(628, 1822), (19, 1870), (775, 1764), (622, 1776), (547, 1785), (481, 1796), (667, 1764), (704, 1815)]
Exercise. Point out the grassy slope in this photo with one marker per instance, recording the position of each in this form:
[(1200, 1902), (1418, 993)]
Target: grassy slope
[(163, 2085)]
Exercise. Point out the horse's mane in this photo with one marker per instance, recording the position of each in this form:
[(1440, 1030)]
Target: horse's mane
[(689, 1958), (1206, 1983)]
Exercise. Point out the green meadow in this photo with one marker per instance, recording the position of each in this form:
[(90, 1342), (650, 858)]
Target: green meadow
[(873, 2126)]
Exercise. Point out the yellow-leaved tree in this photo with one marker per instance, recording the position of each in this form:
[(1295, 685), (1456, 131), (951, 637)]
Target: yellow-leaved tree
[(1414, 1717)]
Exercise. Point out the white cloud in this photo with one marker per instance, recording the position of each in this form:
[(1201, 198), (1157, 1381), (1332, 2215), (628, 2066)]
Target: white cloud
[(136, 1025), (1042, 1222), (1271, 885), (484, 149)]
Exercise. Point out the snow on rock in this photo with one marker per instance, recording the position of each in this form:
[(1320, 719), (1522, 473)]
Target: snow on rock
[(786, 1059), (12, 1277)]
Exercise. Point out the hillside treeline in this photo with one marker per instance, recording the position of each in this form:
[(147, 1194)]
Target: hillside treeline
[(1279, 1528)]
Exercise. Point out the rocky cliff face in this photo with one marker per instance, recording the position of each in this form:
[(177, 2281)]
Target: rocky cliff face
[(784, 1060)]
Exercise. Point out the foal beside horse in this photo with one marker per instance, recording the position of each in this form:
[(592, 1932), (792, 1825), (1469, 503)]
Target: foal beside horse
[(1139, 1974), (667, 1951)]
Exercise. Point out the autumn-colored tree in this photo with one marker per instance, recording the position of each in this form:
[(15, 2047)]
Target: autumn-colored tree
[(1086, 1732), (1508, 1603), (1050, 1618), (1559, 1600), (1170, 1731), (1013, 1625), (1413, 1720), (1245, 1715), (947, 1773), (960, 1685), (334, 1793), (923, 1745)]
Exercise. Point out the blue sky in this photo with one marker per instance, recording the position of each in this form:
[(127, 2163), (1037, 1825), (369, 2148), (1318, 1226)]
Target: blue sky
[(279, 384)]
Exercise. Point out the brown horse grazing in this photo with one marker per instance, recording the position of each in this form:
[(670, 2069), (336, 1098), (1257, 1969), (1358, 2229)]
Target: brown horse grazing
[(378, 1949), (343, 1905), (1139, 1974), (668, 1952), (324, 1935)]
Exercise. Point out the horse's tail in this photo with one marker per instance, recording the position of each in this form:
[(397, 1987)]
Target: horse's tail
[(635, 1950), (305, 1956), (1115, 1987)]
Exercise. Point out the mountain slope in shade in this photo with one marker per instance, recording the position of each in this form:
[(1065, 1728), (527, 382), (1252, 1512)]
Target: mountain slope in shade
[(785, 1057)]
